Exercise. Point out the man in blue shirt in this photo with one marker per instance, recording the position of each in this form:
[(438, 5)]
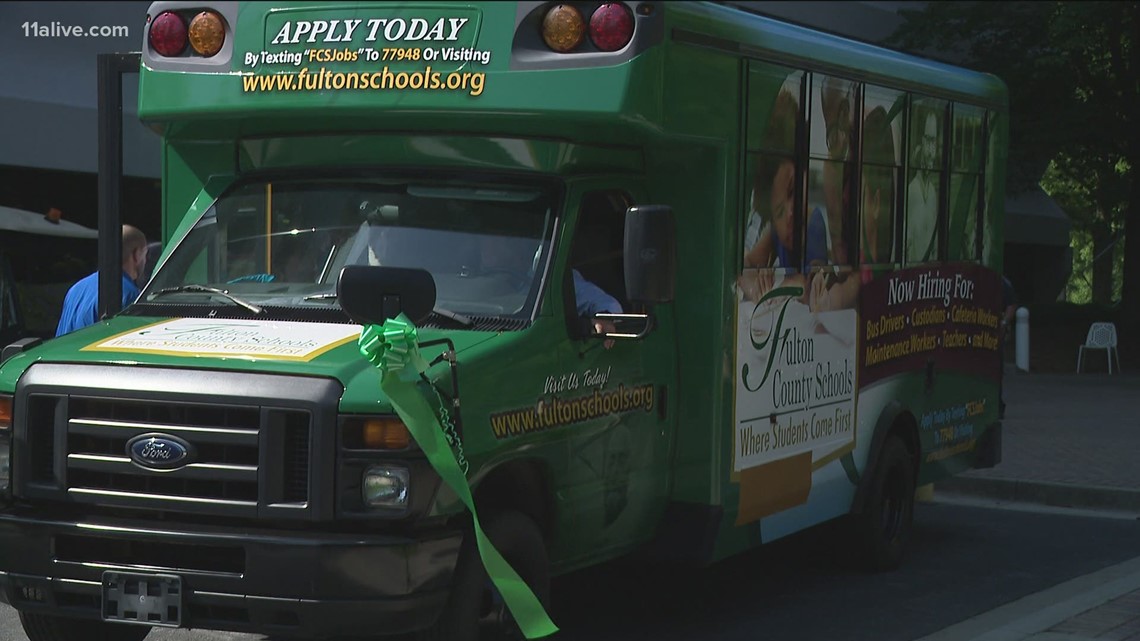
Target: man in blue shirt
[(591, 300), (81, 304), (497, 252)]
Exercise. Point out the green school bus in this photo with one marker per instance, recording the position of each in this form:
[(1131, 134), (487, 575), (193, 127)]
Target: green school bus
[(684, 280)]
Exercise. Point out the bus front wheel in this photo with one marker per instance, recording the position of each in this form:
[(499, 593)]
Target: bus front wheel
[(882, 530), (475, 610)]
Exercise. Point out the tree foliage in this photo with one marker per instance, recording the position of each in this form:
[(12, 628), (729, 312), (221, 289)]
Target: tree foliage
[(1009, 40), (1073, 72), (1081, 186)]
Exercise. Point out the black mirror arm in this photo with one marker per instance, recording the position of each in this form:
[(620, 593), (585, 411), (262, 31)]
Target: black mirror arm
[(453, 399)]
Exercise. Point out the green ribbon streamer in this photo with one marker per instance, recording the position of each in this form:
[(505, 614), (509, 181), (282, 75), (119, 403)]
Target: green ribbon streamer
[(392, 349)]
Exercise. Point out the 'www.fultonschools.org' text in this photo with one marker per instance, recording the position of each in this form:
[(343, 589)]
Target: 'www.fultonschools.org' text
[(323, 79)]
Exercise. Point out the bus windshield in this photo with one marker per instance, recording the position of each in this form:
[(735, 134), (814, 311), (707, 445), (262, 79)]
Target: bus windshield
[(269, 245)]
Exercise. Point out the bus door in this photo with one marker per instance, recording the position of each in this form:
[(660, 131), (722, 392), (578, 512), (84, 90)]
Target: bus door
[(613, 398)]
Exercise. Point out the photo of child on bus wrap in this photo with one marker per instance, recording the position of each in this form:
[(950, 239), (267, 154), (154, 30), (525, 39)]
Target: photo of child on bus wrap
[(770, 251), (876, 214), (771, 256), (831, 168)]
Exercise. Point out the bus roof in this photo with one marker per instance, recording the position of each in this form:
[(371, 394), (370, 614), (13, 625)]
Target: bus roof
[(734, 29), (488, 69)]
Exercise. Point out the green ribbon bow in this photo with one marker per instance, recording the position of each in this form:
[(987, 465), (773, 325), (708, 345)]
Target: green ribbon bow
[(392, 348)]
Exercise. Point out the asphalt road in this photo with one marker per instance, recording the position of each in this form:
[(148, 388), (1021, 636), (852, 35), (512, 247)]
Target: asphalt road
[(965, 561)]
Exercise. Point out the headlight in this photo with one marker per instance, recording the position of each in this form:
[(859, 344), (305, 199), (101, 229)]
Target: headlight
[(385, 486), (5, 443)]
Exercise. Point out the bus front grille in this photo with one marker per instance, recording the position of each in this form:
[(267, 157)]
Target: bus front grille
[(239, 455), (223, 467)]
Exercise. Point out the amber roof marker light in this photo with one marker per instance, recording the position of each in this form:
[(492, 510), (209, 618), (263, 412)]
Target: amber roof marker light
[(563, 28), (207, 33)]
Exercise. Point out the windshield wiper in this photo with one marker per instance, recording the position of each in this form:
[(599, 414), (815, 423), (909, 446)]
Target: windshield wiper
[(211, 290), (458, 318)]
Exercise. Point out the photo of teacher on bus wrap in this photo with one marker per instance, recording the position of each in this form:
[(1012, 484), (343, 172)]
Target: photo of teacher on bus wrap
[(922, 191)]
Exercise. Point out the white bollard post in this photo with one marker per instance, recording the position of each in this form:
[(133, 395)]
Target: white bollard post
[(1021, 346)]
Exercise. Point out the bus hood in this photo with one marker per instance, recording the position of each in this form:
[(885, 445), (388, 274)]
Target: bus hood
[(274, 347)]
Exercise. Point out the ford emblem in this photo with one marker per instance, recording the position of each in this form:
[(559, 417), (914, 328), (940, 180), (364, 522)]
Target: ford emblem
[(159, 451)]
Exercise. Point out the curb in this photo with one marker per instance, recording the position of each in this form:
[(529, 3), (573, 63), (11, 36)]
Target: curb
[(1044, 493), (1032, 617)]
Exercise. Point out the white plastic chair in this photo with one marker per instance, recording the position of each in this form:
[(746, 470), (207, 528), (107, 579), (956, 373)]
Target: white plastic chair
[(1101, 336)]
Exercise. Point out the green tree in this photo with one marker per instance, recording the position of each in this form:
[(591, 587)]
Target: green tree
[(1084, 186), (1073, 71)]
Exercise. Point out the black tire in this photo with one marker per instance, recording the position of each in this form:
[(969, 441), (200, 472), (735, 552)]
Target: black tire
[(46, 627), (474, 610), (881, 532)]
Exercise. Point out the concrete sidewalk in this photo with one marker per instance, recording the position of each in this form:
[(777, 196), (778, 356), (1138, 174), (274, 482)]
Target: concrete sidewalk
[(1104, 606), (1069, 441)]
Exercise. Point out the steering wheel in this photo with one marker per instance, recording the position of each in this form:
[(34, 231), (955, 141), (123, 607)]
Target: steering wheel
[(515, 278), (515, 274), (478, 308)]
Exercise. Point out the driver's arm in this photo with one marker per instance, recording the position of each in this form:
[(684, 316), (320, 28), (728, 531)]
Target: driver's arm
[(591, 300)]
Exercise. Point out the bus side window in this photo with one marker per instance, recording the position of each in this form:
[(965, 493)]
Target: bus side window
[(924, 182), (990, 234), (967, 161), (835, 106), (881, 174), (778, 242), (596, 252)]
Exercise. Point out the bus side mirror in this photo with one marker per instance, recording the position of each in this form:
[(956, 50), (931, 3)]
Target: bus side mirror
[(650, 254), (22, 345), (371, 295)]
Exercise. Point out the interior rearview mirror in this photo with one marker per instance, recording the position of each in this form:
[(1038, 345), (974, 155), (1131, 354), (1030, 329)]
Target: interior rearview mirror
[(371, 295)]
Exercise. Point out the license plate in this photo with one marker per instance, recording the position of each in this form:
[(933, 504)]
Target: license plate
[(147, 599)]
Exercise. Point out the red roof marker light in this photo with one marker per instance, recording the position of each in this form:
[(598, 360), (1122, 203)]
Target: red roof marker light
[(168, 34), (611, 26)]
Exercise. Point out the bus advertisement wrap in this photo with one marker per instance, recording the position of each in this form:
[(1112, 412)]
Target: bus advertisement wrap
[(945, 315), (795, 386), (385, 50)]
